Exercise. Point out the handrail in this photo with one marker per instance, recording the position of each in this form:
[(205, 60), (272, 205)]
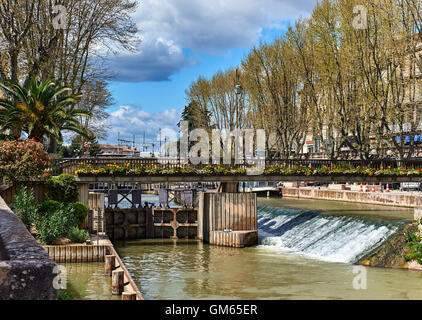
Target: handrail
[(59, 164)]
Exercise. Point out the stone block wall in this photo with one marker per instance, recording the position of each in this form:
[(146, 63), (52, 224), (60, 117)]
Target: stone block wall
[(391, 199), (26, 271)]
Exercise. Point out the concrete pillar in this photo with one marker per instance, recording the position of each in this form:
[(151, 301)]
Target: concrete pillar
[(228, 187)]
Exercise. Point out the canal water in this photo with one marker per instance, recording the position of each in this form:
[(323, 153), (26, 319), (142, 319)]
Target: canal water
[(307, 250), (86, 281)]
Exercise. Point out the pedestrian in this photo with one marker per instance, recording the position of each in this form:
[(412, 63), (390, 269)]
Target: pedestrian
[(280, 187)]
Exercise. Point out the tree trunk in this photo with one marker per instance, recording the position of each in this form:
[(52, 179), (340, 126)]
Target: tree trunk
[(13, 65), (52, 146)]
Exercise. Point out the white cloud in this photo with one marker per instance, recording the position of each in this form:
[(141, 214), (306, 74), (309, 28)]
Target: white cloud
[(168, 27), (132, 120)]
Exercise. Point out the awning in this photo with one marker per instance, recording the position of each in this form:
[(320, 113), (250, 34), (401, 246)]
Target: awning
[(417, 138)]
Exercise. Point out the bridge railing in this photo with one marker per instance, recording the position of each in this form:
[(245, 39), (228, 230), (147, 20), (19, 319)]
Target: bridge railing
[(70, 165), (377, 164)]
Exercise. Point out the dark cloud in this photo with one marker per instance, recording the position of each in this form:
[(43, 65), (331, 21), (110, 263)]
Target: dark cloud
[(156, 62)]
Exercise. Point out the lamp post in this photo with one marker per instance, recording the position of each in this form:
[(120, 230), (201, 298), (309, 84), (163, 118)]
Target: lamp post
[(373, 152), (159, 150), (238, 89), (153, 149)]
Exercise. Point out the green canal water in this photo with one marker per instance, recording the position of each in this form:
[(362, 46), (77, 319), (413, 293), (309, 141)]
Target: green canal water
[(86, 281), (307, 250)]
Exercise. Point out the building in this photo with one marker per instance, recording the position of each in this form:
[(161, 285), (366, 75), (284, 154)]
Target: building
[(119, 150), (406, 131)]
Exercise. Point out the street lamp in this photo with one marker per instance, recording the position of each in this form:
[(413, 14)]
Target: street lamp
[(153, 149), (238, 89)]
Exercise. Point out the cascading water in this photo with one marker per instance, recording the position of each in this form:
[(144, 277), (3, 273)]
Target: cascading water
[(320, 236)]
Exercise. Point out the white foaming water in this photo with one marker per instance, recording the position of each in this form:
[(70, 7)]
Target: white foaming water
[(323, 237)]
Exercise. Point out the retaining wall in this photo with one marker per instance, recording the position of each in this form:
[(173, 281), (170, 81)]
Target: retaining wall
[(384, 198), (77, 253), (26, 271)]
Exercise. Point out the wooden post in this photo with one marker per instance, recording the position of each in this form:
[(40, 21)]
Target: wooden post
[(117, 282), (110, 264), (83, 193), (128, 296)]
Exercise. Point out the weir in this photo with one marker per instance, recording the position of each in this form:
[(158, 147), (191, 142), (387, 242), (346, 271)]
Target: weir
[(324, 237)]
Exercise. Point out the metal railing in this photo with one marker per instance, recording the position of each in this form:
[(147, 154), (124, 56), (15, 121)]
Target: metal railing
[(69, 165)]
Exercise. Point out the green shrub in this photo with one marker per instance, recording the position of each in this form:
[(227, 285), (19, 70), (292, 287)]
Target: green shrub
[(78, 236), (81, 211), (48, 207), (62, 188), (56, 225), (64, 295), (415, 247), (25, 206)]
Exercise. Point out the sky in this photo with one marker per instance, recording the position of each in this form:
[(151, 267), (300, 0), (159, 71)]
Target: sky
[(180, 41)]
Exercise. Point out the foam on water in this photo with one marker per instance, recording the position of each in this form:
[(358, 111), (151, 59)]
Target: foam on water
[(323, 237)]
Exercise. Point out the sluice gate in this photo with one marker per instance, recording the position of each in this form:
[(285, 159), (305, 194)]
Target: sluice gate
[(220, 218)]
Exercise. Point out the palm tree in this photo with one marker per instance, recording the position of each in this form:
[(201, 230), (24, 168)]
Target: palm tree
[(42, 109)]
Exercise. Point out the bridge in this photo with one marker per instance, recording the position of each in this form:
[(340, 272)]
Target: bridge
[(226, 217), (126, 170)]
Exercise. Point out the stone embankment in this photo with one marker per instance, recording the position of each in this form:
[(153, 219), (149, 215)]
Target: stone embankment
[(26, 271), (392, 253), (399, 199)]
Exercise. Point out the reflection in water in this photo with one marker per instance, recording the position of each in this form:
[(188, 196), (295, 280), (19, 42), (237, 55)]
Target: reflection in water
[(87, 281), (165, 269)]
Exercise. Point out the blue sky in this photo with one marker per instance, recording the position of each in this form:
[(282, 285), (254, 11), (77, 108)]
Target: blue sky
[(182, 40)]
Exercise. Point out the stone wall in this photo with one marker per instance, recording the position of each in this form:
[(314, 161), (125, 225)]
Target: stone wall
[(26, 271), (384, 198)]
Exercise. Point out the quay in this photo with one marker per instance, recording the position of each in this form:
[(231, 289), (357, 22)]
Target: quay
[(393, 198)]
